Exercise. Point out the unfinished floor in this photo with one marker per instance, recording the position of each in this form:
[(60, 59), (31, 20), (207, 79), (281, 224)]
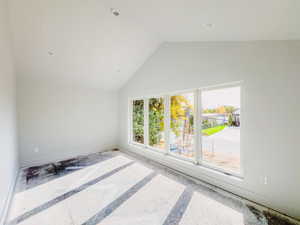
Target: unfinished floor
[(115, 188)]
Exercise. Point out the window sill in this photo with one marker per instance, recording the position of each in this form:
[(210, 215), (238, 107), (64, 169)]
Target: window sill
[(188, 164)]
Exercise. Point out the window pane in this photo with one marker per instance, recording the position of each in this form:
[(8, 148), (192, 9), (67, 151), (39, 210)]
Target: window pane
[(138, 121), (156, 123), (182, 125), (221, 128)]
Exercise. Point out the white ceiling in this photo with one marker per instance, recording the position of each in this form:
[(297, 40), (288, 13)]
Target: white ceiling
[(80, 42), (233, 20)]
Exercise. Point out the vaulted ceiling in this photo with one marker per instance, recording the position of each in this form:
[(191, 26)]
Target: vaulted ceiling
[(81, 42)]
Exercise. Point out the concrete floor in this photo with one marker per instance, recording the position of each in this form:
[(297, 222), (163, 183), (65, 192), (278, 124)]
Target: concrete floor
[(115, 188)]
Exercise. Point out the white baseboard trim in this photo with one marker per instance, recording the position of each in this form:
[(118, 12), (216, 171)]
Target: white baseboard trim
[(45, 160), (8, 201)]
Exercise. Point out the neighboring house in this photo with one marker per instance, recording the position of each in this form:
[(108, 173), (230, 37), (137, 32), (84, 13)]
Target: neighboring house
[(236, 117), (221, 118)]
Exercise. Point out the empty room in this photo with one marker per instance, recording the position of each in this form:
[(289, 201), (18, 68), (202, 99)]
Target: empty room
[(158, 112)]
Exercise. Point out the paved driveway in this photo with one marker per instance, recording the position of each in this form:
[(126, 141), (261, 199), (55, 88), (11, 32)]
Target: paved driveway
[(226, 141)]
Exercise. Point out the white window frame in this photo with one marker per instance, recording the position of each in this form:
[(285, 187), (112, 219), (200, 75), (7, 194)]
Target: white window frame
[(197, 160), (210, 165)]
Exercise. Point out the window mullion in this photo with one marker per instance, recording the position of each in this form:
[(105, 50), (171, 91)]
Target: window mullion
[(167, 123), (146, 121), (130, 122), (199, 108), (197, 127)]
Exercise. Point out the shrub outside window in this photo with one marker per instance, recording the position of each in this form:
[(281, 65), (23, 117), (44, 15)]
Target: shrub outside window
[(156, 123), (182, 125), (138, 121)]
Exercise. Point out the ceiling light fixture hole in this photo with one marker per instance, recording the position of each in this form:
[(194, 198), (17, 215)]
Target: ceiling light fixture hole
[(115, 12), (208, 25)]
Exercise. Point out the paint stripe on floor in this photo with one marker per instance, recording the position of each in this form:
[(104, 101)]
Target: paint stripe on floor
[(151, 205)]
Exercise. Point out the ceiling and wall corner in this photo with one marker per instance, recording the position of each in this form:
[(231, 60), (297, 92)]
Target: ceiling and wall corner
[(77, 43), (82, 43)]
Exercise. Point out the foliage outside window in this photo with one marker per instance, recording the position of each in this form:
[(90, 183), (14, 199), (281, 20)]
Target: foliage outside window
[(156, 123), (138, 121), (182, 125)]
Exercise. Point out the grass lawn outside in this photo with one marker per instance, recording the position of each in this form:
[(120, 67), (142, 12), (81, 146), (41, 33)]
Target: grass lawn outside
[(213, 130)]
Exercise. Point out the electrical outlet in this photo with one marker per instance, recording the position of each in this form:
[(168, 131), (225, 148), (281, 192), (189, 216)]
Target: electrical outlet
[(36, 150), (265, 180)]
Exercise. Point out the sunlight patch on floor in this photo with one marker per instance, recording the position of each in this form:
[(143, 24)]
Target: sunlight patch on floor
[(207, 211), (125, 191), (80, 207), (27, 200), (150, 206)]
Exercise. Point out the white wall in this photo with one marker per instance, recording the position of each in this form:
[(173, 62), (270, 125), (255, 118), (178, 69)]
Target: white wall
[(270, 110), (8, 147), (62, 122)]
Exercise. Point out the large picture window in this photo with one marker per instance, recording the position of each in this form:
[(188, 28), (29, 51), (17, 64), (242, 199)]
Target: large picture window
[(202, 125)]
